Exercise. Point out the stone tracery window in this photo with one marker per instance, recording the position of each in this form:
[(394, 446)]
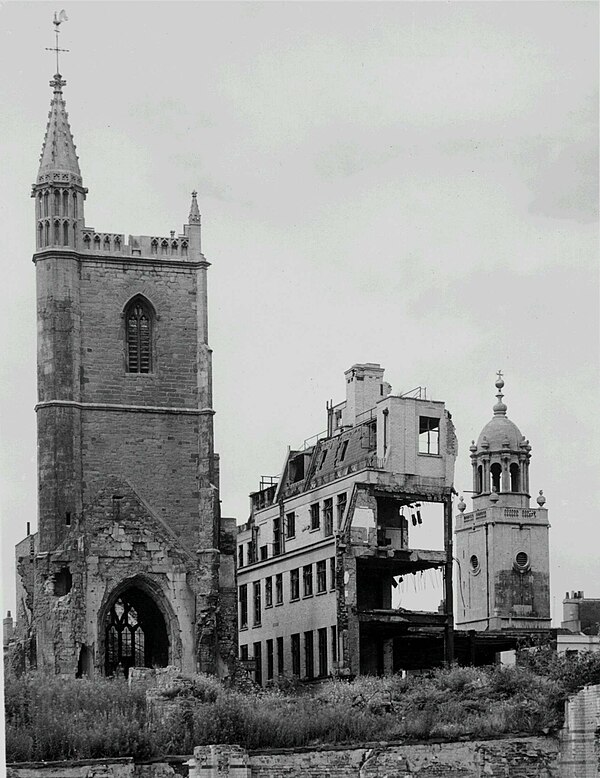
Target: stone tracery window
[(125, 637), (138, 322)]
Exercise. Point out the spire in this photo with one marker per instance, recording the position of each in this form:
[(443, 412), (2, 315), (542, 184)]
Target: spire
[(58, 161), (194, 217), (500, 407)]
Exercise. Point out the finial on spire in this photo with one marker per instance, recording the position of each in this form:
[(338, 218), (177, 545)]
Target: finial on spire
[(499, 407), (59, 18), (194, 217)]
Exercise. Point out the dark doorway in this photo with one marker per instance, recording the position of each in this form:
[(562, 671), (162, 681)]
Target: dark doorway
[(136, 634)]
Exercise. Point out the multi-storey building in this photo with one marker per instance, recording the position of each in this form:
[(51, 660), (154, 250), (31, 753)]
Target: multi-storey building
[(327, 541), (132, 563)]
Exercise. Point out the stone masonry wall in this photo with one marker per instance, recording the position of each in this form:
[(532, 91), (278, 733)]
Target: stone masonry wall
[(580, 737)]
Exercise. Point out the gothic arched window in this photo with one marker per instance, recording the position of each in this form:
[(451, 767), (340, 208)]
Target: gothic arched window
[(138, 323)]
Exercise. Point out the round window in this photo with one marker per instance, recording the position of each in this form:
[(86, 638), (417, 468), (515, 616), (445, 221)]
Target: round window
[(474, 562), (522, 559)]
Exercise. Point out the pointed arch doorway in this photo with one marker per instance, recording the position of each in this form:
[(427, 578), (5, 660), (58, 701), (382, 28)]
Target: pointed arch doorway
[(135, 633)]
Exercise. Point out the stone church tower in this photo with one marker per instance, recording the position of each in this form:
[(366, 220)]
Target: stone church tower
[(502, 544), (132, 564)]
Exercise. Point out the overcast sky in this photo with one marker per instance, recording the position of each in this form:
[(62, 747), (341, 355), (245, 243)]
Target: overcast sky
[(410, 183)]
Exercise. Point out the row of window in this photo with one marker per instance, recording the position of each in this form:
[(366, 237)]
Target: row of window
[(57, 234), (60, 204), (319, 513), (495, 477), (273, 589), (274, 655)]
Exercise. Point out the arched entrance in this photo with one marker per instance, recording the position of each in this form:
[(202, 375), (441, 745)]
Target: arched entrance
[(135, 633)]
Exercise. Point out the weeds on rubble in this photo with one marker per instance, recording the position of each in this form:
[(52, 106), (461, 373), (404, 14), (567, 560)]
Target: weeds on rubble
[(50, 718)]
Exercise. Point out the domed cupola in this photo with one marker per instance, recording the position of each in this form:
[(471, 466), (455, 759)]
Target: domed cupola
[(500, 460)]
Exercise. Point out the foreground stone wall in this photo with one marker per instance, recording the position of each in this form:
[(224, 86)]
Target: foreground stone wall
[(580, 737), (518, 758)]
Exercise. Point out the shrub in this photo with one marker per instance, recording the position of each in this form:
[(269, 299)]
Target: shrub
[(49, 718)]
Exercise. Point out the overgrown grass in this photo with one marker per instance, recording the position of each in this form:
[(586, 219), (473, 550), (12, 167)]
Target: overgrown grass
[(49, 718)]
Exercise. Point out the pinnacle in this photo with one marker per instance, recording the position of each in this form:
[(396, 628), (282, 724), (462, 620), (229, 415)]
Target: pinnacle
[(58, 160), (194, 217)]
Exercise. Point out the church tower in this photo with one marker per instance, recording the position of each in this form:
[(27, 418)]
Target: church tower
[(132, 564), (502, 544)]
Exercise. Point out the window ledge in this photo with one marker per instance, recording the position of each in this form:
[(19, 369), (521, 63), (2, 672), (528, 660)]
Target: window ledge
[(294, 599), (425, 454), (307, 596), (323, 592), (244, 629), (314, 529)]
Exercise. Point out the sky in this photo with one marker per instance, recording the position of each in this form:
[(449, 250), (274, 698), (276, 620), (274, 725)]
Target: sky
[(409, 183)]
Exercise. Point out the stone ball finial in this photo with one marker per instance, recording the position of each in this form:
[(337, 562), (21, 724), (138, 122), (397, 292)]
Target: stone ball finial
[(494, 497), (461, 504), (473, 447), (541, 500)]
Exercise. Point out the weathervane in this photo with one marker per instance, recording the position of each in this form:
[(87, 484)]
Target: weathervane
[(59, 18)]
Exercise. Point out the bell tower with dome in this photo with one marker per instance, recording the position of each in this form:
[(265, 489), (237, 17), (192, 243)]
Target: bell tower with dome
[(502, 544)]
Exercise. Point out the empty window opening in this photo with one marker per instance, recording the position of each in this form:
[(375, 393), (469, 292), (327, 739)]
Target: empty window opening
[(279, 589), (65, 203), (295, 650), (328, 516), (495, 475), (321, 576), (315, 518), (479, 485), (296, 469), (66, 233), (270, 659), (257, 603), (429, 435), (295, 584), (74, 205), (139, 332), (474, 563), (514, 477), (341, 508), (63, 581), (264, 552), (57, 203), (309, 655), (117, 502), (307, 578), (280, 657), (269, 592), (68, 519), (277, 536), (343, 448), (243, 598), (290, 525), (240, 556), (322, 646), (258, 663)]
